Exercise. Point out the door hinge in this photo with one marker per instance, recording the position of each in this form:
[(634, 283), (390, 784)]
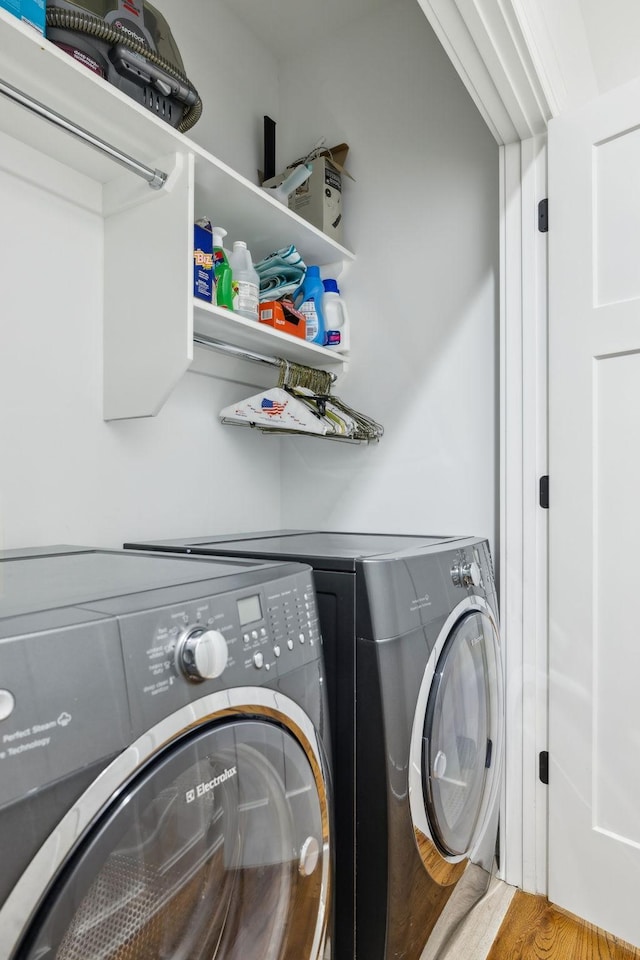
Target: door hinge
[(543, 766), (544, 492), (543, 216)]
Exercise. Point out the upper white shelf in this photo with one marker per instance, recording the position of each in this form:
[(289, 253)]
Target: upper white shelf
[(148, 328), (39, 69)]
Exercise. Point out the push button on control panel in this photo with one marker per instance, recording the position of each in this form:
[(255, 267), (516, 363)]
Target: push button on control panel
[(7, 703), (466, 574), (201, 654)]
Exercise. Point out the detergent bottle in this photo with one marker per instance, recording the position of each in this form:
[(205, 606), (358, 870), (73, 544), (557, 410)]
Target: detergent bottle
[(223, 293), (336, 318), (308, 300), (245, 282)]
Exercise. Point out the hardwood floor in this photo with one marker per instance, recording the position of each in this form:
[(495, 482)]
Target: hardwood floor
[(507, 924), (465, 931), (534, 929)]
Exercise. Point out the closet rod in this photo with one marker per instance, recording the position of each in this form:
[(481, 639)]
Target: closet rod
[(241, 352), (155, 178)]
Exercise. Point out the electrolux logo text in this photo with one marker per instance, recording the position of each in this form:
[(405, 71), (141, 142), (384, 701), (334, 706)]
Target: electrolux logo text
[(208, 785)]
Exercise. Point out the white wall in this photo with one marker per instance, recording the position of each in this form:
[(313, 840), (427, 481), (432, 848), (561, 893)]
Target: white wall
[(580, 48), (66, 476), (235, 75), (422, 218), (612, 29)]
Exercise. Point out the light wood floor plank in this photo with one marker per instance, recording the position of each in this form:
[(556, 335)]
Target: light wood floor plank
[(467, 929)]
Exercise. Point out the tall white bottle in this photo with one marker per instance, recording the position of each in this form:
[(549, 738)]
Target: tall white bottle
[(336, 318), (245, 281)]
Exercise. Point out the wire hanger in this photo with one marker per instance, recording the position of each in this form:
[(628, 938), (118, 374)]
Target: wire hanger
[(301, 404)]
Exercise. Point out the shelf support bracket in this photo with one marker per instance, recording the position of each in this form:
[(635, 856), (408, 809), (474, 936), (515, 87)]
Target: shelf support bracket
[(155, 178)]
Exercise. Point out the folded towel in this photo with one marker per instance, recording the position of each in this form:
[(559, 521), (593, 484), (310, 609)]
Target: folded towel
[(289, 254), (281, 273)]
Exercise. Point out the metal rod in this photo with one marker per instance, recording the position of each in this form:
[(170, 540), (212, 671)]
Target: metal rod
[(223, 347), (241, 352), (155, 178)]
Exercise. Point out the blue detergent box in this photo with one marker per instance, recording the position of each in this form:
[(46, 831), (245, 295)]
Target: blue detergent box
[(202, 263), (29, 11)]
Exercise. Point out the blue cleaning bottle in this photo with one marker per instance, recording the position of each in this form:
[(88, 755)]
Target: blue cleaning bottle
[(308, 300)]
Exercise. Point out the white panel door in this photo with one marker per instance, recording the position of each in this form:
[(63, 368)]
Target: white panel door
[(594, 516)]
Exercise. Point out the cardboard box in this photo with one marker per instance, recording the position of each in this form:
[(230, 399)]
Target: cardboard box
[(319, 199), (29, 11), (282, 315), (202, 263)]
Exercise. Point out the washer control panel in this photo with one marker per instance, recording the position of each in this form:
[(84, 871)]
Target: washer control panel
[(245, 637)]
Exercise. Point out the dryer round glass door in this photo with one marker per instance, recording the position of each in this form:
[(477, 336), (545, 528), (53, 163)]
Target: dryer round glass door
[(214, 850), (461, 735)]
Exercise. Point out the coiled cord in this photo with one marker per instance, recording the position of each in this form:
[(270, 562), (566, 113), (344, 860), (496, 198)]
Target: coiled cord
[(94, 27)]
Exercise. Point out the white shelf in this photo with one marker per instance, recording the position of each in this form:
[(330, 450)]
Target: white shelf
[(42, 71), (246, 334), (248, 213), (138, 373)]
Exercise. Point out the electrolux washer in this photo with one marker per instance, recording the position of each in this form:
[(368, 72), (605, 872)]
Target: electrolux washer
[(414, 677), (164, 778)]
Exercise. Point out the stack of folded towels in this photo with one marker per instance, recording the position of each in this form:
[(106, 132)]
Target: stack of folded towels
[(281, 273)]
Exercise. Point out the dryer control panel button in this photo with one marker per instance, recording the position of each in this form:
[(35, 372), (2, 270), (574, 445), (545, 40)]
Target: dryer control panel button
[(201, 654), (465, 574), (7, 703)]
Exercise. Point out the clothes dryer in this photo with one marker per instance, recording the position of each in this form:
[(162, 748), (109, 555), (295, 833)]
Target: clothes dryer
[(414, 675), (164, 777)]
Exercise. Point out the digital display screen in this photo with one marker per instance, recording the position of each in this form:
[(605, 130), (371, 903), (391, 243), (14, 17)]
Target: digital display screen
[(249, 609)]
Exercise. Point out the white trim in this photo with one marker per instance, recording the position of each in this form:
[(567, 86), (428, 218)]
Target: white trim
[(487, 46), (523, 543), (535, 519), (511, 573), (556, 36)]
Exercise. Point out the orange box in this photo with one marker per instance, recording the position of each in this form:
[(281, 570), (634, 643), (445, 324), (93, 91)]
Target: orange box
[(282, 315)]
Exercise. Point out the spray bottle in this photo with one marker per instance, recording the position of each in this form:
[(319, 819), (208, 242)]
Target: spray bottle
[(245, 282), (308, 300), (223, 294)]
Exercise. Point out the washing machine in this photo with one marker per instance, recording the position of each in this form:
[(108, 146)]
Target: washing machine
[(414, 677), (165, 785)]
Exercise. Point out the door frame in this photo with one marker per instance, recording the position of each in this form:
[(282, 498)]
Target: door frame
[(502, 51)]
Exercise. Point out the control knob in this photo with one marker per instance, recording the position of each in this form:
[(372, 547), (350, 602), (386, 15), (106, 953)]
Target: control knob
[(201, 654), (466, 574)]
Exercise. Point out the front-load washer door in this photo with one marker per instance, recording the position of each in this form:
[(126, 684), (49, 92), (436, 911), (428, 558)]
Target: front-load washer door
[(214, 851), (457, 739)]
